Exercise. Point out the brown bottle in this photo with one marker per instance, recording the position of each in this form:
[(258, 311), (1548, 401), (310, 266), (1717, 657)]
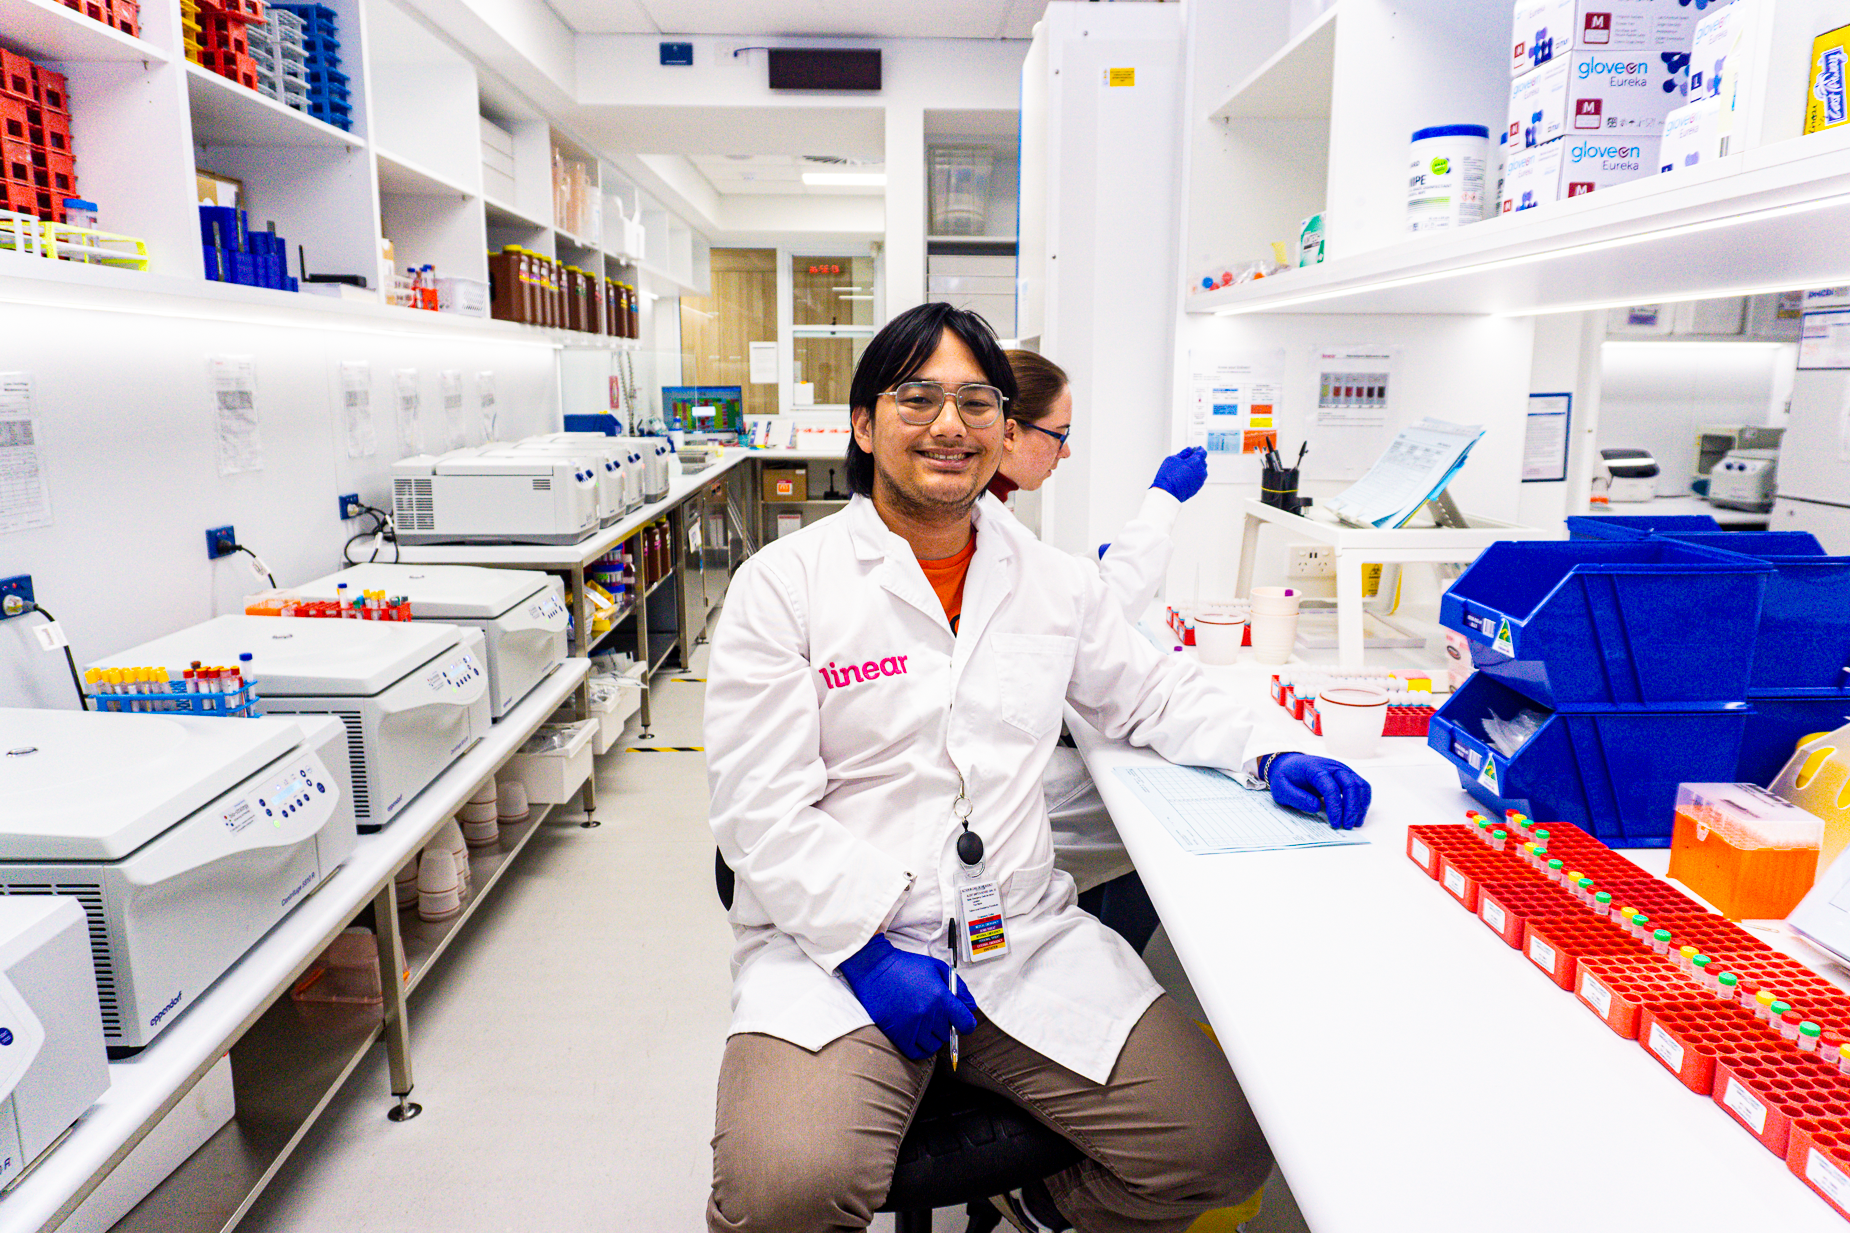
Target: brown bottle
[(503, 286)]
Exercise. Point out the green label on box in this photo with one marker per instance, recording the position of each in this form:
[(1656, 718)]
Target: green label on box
[(1503, 644), (1488, 776)]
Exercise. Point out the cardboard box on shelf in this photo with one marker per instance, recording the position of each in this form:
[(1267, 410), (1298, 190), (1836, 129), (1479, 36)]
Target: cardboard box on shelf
[(1541, 30), (1596, 162), (1721, 67), (1596, 92), (1824, 101), (786, 483), (1533, 178), (1689, 136)]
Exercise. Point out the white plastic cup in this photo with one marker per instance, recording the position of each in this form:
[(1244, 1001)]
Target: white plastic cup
[(1218, 638), (1274, 636), (482, 834), (1290, 593), (439, 887), (512, 797), (1353, 718)]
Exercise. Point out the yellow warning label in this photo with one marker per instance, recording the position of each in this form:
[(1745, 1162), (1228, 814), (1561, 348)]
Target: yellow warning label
[(1121, 77), (1371, 581)]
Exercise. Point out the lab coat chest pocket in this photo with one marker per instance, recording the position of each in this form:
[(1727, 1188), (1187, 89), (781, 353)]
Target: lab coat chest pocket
[(1032, 673)]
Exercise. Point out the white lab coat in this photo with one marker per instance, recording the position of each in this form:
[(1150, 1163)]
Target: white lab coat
[(833, 803), (1085, 839)]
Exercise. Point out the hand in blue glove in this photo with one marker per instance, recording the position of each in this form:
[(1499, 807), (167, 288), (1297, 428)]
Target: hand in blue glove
[(1102, 549), (1183, 474), (908, 996), (1320, 785)]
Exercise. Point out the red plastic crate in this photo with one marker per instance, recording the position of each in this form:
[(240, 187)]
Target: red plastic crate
[(1707, 932), (1461, 873), (16, 159), (17, 197), (248, 11), (1784, 975), (1651, 896), (1407, 720), (1555, 944), (1426, 843), (49, 129), (13, 121), (55, 172), (1620, 988), (1768, 1093), (127, 17), (1688, 1037), (18, 76), (51, 90), (1818, 1153), (1505, 907)]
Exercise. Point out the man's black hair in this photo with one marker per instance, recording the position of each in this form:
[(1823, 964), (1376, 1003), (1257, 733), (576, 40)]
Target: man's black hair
[(896, 353)]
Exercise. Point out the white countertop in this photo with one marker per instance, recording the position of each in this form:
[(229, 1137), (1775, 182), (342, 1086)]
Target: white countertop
[(1681, 505), (139, 1086), (1411, 1071)]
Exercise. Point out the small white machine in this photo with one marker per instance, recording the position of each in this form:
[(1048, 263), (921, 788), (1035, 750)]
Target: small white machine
[(622, 451), (1629, 475), (655, 476), (1745, 479), (609, 474), (53, 1063), (413, 695), (473, 497), (183, 838), (520, 612)]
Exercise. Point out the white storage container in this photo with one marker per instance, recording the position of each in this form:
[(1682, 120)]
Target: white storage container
[(466, 296), (1445, 176), (553, 775), (960, 189)]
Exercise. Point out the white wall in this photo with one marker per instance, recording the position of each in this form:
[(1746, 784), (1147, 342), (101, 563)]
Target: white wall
[(129, 448), (1655, 394)]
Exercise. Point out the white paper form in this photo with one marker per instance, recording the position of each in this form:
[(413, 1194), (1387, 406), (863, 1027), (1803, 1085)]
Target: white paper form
[(450, 389), (1356, 387), (234, 408), (1233, 406), (1416, 467), (405, 401), (491, 414), (1544, 443), (25, 497), (356, 396), (1824, 340), (1205, 811), (763, 362)]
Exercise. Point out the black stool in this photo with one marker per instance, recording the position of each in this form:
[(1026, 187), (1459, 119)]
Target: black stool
[(964, 1144)]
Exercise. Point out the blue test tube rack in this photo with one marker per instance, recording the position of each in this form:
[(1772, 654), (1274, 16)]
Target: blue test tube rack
[(240, 703)]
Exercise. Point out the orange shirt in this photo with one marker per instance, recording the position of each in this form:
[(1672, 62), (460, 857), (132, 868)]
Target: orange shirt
[(947, 579)]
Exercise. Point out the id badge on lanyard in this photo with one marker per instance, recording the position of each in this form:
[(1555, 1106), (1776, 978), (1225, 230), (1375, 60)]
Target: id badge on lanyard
[(982, 924)]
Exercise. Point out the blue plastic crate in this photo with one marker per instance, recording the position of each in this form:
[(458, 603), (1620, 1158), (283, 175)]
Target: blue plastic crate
[(1646, 623), (1804, 635), (1637, 526), (1612, 773), (1780, 721), (330, 94), (318, 75), (241, 703)]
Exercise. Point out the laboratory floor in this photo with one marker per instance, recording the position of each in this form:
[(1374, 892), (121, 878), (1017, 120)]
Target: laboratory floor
[(567, 1048)]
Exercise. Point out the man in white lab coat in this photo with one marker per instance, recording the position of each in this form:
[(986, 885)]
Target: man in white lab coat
[(884, 691)]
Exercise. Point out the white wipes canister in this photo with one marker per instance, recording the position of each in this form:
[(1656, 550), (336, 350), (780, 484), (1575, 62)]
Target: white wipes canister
[(1445, 179)]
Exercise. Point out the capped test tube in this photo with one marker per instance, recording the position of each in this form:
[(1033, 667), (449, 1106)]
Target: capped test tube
[(1583, 889), (1727, 986), (1684, 955), (1554, 870), (1699, 967), (1788, 1024), (1809, 1034), (1499, 839), (1640, 925), (1602, 904), (1843, 1059), (1776, 1011), (1660, 941)]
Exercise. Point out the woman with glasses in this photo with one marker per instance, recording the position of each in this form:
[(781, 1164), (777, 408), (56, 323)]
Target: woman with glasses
[(1035, 438)]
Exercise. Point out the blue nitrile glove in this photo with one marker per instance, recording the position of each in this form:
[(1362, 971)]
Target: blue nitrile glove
[(1320, 785), (1102, 548), (1183, 474), (908, 996)]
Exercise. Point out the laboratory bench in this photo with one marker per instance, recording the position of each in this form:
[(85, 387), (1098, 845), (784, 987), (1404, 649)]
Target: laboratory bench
[(287, 1061), (1410, 1069), (1728, 519)]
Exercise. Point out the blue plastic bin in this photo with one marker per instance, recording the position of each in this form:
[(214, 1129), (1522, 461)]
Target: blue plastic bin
[(1637, 526), (1612, 773), (1779, 722), (1804, 637), (1645, 623)]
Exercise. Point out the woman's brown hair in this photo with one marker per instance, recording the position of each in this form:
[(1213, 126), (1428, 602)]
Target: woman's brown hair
[(1038, 382)]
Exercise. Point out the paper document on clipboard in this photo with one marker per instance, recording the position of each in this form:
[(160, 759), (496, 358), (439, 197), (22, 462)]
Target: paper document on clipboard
[(1417, 466), (1205, 811)]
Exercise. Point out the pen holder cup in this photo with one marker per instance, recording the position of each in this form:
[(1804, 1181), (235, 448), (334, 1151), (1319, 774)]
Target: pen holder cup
[(1280, 488)]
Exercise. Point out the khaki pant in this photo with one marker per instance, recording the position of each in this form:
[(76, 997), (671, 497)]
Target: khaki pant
[(806, 1141)]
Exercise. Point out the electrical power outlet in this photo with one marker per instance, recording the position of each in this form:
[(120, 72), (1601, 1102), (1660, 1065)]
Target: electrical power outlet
[(219, 541), (1312, 561), (350, 505), (12, 590)]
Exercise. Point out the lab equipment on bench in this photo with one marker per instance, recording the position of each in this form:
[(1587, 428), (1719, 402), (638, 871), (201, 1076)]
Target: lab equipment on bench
[(521, 614), (625, 457), (183, 839), (469, 497), (413, 697), (609, 475), (54, 1066), (1624, 475), (1745, 480), (655, 452), (1743, 849)]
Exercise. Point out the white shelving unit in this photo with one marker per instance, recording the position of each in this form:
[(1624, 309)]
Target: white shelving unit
[(143, 118)]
